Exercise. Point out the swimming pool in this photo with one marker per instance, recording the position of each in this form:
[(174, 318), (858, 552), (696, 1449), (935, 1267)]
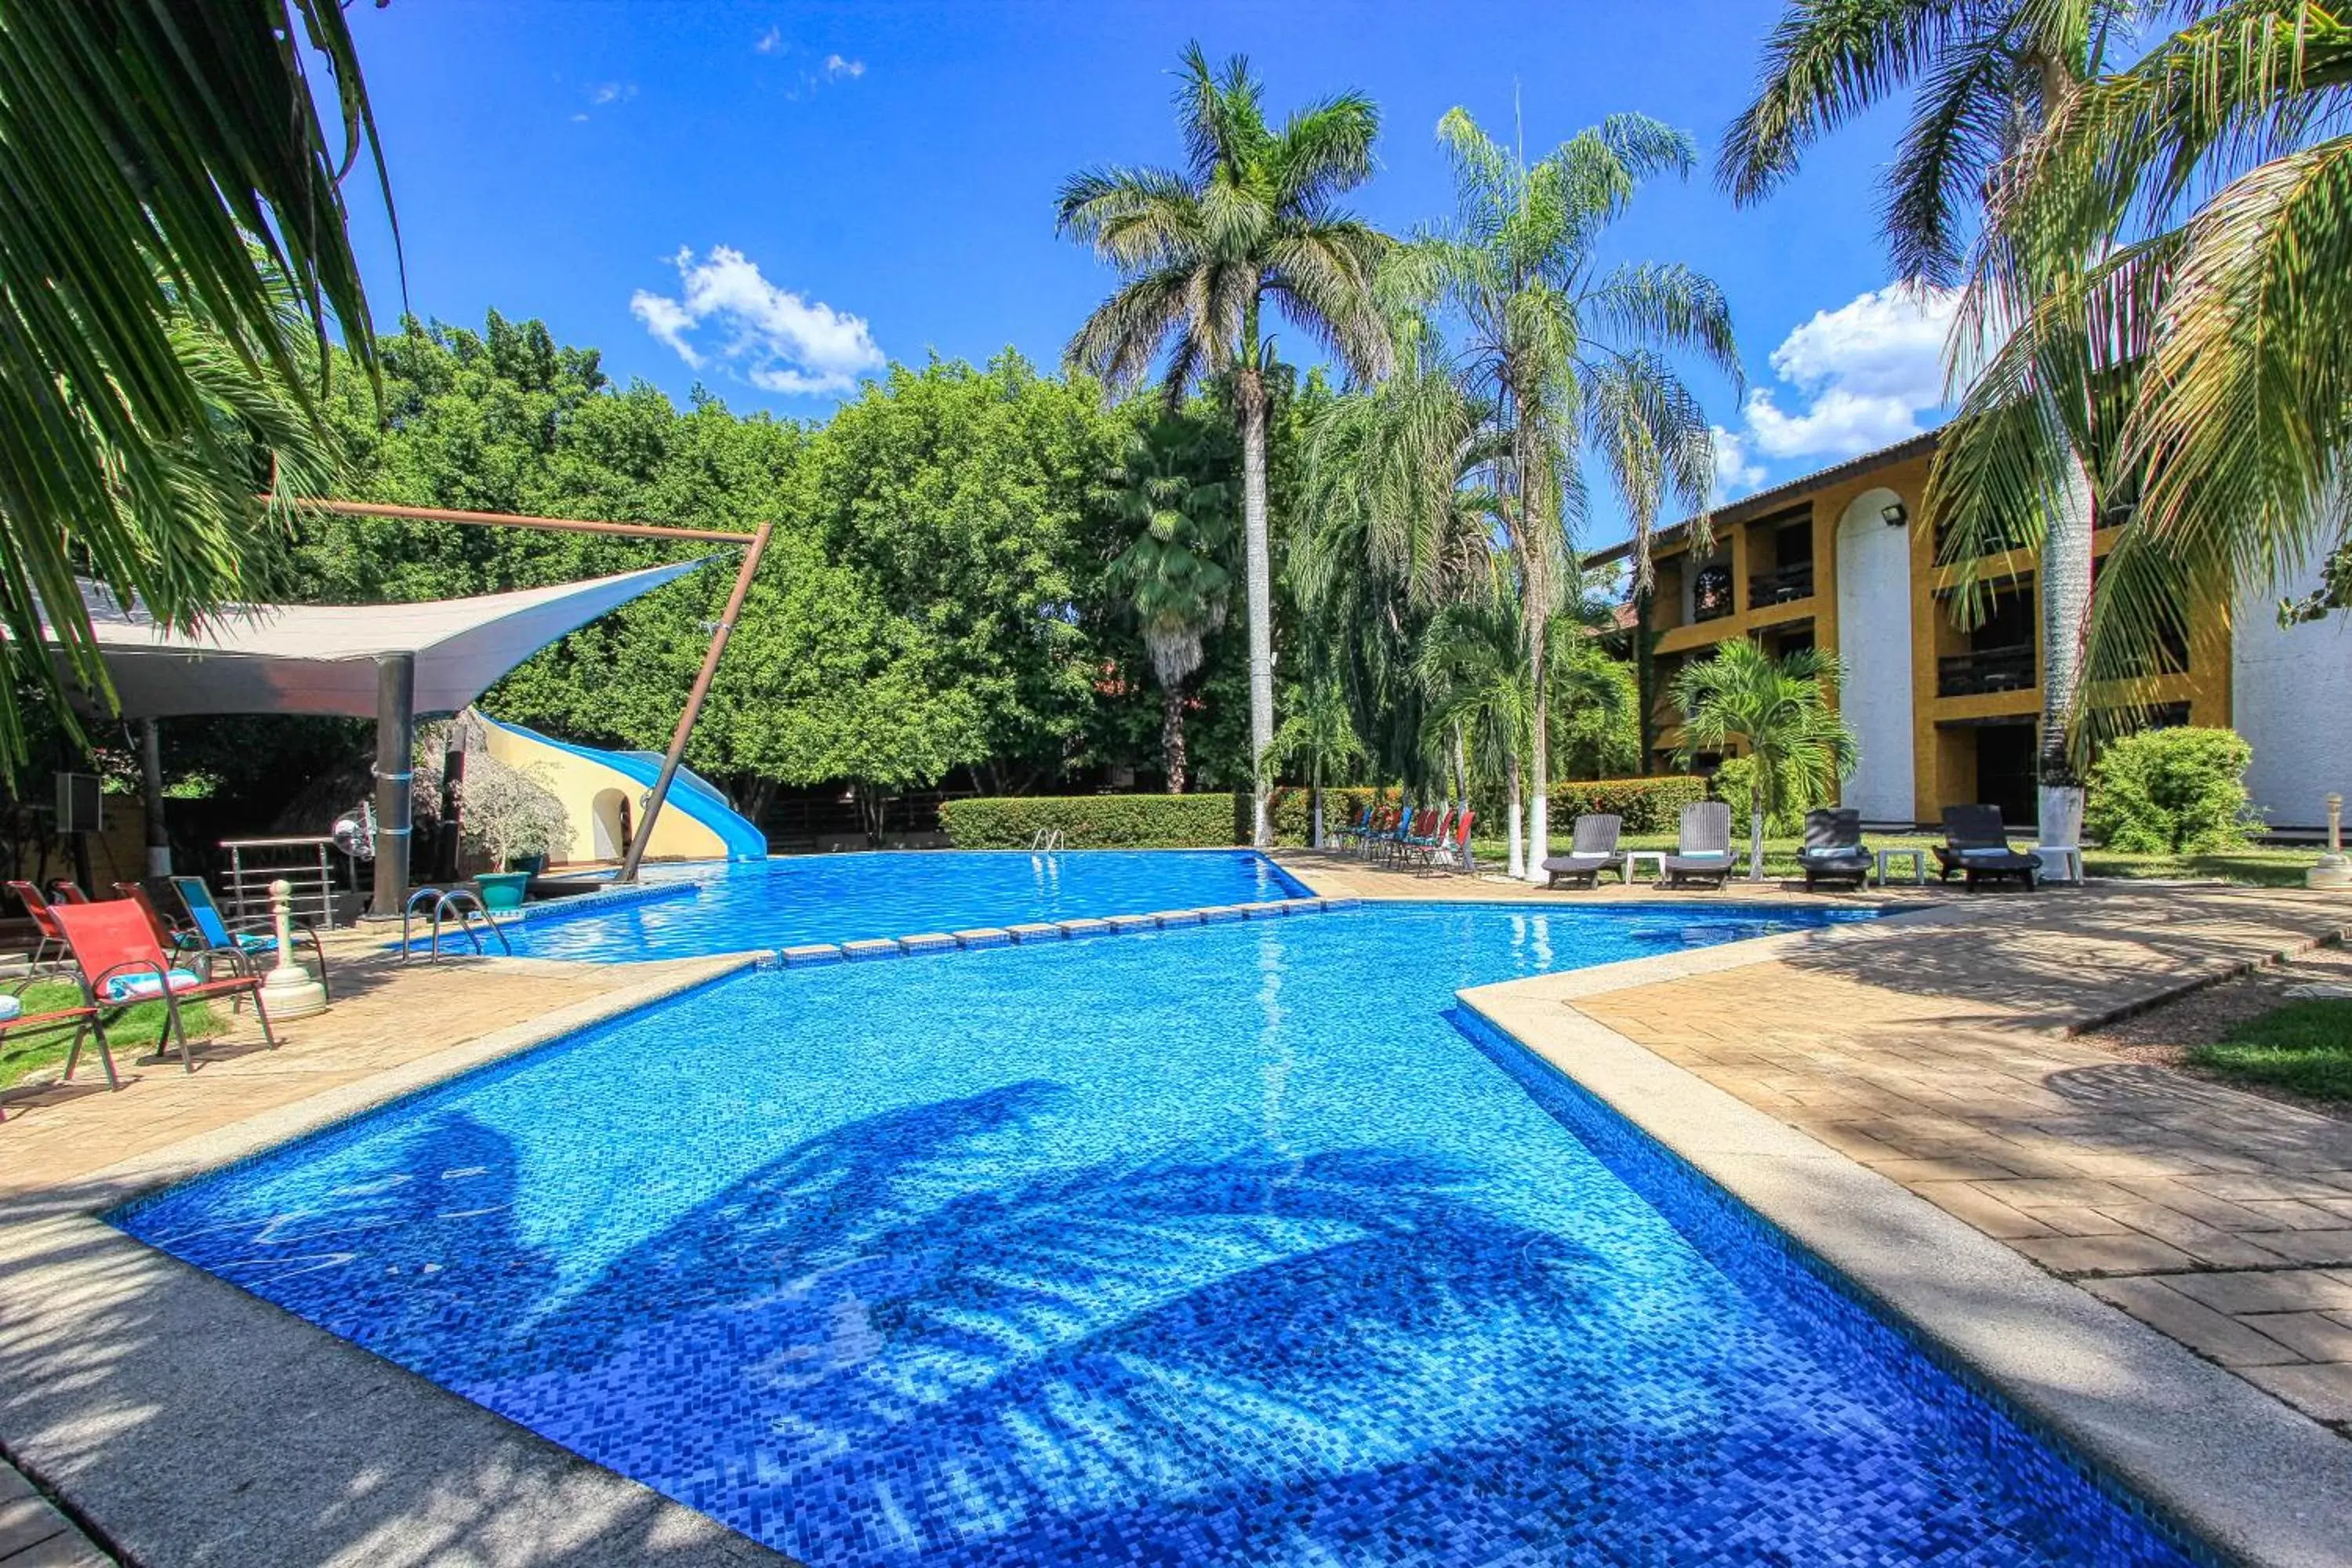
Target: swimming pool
[(1210, 1247), (788, 902)]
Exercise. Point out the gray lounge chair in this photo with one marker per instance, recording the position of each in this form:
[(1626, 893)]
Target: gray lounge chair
[(1593, 851), (1833, 850), (1976, 846), (1703, 853)]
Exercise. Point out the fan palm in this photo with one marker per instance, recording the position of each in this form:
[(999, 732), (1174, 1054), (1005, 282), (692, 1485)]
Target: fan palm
[(1987, 73), (170, 187), (1173, 494), (1251, 220), (1319, 735), (1569, 355), (1783, 710), (2213, 331)]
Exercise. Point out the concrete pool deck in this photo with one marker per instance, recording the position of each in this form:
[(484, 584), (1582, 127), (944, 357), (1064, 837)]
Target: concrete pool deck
[(190, 1423)]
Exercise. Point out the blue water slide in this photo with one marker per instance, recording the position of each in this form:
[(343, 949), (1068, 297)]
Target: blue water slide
[(689, 793)]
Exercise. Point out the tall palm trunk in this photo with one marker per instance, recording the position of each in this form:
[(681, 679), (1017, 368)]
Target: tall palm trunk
[(1249, 389), (1171, 734), (1535, 612), (1760, 805), (2065, 584), (1515, 808)]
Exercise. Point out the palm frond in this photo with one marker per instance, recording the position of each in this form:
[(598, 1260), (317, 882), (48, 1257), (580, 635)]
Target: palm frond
[(1826, 62)]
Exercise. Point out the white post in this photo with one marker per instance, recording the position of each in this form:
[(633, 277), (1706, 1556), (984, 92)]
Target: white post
[(288, 991), (2334, 870)]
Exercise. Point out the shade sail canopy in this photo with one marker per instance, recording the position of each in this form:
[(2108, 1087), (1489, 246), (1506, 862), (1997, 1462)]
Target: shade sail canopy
[(322, 659)]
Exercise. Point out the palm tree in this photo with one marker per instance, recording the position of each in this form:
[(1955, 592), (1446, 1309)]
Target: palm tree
[(2208, 182), (1783, 710), (1987, 75), (1173, 494), (1568, 354), (1318, 734), (1253, 219), (168, 189), (1472, 663)]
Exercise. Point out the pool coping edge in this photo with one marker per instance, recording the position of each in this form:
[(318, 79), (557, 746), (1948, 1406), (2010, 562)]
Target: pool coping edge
[(2246, 1474)]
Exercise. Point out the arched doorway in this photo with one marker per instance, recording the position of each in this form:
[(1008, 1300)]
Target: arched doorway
[(1874, 568), (610, 813)]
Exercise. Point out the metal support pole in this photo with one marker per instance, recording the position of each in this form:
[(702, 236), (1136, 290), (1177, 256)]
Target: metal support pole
[(396, 746), (151, 798), (693, 708)]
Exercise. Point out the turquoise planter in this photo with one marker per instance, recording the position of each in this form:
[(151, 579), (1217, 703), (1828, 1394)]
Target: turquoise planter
[(503, 889)]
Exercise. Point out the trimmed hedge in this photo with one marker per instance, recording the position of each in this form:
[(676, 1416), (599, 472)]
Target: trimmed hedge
[(1098, 821), (1648, 806)]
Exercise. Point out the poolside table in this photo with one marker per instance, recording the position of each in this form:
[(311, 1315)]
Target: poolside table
[(1633, 858), (1918, 864)]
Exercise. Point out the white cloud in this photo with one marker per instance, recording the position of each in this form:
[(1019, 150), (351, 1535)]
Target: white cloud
[(836, 68), (777, 340), (1860, 375), (771, 41), (1735, 473), (605, 92)]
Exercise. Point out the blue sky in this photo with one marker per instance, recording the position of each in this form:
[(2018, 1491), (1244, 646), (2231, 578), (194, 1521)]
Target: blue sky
[(773, 199)]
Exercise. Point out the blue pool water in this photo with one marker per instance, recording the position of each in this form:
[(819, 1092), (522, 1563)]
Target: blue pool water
[(847, 898), (1207, 1246)]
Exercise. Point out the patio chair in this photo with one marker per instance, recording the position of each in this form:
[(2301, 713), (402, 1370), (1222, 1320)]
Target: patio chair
[(1355, 831), (1977, 846), (1703, 848), (1592, 851), (214, 935), (1422, 842), (121, 964), (1833, 850), (44, 923), (1452, 849), (84, 1017)]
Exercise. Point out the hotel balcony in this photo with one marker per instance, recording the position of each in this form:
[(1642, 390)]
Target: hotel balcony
[(1983, 670), (1789, 583)]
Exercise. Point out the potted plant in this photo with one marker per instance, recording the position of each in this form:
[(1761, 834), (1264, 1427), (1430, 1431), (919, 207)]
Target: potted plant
[(508, 815)]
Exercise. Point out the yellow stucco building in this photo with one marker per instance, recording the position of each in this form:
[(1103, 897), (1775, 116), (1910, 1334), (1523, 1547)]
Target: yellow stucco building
[(1837, 560)]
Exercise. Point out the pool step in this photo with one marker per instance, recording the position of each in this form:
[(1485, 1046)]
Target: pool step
[(819, 952)]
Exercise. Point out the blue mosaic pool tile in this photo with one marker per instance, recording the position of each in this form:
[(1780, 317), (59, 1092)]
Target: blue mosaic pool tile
[(879, 947), (811, 953), (928, 942), (1208, 1248), (1085, 927), (985, 936)]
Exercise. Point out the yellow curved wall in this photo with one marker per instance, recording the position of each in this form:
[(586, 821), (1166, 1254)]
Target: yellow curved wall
[(590, 792)]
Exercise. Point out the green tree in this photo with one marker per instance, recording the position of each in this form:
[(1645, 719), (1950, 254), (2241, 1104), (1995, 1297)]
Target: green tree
[(1173, 497), (1569, 355), (1782, 711), (2013, 464), (2172, 792), (1252, 218), (1317, 733), (173, 247), (1473, 664)]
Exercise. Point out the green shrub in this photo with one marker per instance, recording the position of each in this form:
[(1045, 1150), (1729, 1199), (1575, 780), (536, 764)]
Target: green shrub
[(1648, 806), (1098, 821), (2171, 792), (1734, 785), (1294, 809)]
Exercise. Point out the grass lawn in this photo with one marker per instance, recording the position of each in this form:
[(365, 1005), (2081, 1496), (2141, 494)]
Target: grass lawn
[(2248, 867), (2305, 1046), (136, 1029)]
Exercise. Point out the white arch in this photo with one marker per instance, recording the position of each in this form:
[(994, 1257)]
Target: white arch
[(608, 828), (1874, 573)]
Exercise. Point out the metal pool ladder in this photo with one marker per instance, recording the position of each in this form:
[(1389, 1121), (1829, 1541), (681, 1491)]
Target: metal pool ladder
[(1045, 841), (460, 904)]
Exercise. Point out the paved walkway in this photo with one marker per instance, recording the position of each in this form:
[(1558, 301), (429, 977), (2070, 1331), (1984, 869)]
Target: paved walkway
[(385, 1014), (32, 1534), (1945, 1056)]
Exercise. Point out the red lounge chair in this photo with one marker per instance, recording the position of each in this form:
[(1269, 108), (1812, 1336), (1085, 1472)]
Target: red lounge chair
[(44, 921), (121, 963), (84, 1018)]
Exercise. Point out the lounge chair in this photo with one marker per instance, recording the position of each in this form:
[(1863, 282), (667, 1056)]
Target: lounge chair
[(1422, 845), (84, 1017), (1833, 850), (1453, 848), (1977, 846), (1356, 831), (213, 934), (121, 964), (1592, 851), (52, 941), (1703, 851)]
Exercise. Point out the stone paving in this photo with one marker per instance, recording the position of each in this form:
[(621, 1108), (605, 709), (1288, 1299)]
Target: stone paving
[(34, 1534), (1945, 1055), (385, 1014)]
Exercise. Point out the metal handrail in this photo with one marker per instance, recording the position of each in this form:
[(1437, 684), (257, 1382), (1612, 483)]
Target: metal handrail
[(461, 904)]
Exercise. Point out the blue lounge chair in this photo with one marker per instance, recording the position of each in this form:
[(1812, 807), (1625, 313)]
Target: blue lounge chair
[(213, 934)]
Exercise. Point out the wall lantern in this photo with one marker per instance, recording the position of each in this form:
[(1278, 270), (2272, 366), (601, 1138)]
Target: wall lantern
[(1895, 513)]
